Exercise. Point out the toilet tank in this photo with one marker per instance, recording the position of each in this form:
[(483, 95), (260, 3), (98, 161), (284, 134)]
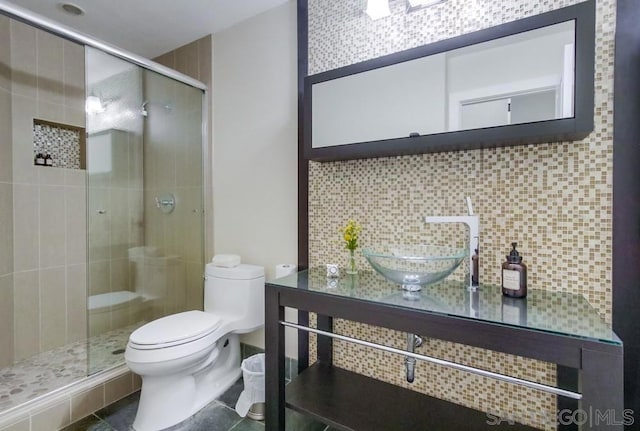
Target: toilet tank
[(236, 294)]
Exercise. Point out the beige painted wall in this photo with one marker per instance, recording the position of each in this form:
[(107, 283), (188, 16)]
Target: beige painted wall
[(255, 142)]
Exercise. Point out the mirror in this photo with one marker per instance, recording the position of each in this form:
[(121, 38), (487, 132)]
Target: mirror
[(526, 81)]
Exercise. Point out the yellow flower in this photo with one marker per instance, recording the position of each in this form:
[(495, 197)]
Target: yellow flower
[(350, 234)]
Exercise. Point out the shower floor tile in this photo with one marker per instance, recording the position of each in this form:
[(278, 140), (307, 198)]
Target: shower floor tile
[(29, 378)]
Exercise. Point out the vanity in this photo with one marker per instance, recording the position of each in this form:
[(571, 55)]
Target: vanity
[(555, 327)]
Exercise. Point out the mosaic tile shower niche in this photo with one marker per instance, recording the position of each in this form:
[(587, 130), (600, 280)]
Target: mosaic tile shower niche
[(63, 144), (554, 199)]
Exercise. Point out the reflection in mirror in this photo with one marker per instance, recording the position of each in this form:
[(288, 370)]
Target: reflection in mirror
[(522, 78), (517, 79)]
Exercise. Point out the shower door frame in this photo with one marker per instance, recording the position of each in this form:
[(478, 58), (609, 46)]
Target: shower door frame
[(50, 26)]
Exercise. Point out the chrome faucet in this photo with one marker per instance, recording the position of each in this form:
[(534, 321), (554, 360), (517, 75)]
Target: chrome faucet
[(473, 222)]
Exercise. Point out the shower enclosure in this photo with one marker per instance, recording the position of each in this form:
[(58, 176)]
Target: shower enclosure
[(101, 207)]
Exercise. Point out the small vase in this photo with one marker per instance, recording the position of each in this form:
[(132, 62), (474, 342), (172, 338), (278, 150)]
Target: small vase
[(351, 266)]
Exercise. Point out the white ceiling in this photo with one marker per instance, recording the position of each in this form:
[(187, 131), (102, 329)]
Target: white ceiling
[(150, 27)]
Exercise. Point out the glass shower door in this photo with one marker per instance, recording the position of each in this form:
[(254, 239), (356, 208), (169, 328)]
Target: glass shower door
[(145, 202)]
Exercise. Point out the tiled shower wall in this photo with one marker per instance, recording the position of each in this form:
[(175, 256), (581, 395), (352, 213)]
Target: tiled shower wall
[(152, 155), (554, 199), (6, 200), (174, 162), (42, 260), (115, 215)]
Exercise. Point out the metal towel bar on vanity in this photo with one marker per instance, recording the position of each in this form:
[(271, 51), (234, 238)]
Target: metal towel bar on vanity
[(473, 370)]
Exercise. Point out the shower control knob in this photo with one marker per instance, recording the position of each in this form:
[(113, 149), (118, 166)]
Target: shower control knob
[(166, 203)]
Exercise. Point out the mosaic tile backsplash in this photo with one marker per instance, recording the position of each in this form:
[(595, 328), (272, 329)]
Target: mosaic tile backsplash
[(554, 199)]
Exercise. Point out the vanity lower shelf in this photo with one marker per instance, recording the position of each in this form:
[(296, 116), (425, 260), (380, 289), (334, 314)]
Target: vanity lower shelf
[(352, 402)]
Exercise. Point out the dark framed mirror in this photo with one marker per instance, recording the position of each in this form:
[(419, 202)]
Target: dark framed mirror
[(526, 81)]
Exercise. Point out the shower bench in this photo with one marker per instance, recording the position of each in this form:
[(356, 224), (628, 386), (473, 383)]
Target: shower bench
[(554, 327)]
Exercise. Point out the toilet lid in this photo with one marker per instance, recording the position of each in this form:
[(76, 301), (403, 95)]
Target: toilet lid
[(175, 329)]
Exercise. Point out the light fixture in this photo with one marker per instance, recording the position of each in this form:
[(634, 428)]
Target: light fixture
[(71, 9), (377, 9), (93, 105), (419, 4)]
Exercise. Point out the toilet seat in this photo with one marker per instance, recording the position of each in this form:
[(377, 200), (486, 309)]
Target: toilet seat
[(174, 330)]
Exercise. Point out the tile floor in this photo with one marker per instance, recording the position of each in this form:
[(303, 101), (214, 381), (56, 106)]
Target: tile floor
[(217, 416), (44, 372)]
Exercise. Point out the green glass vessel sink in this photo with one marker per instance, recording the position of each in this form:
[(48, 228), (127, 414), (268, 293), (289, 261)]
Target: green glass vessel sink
[(415, 266)]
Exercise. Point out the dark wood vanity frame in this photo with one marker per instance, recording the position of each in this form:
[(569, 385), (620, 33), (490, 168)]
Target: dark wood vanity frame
[(350, 401)]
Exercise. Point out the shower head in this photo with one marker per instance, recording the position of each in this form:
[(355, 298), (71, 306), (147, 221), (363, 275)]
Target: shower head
[(144, 112)]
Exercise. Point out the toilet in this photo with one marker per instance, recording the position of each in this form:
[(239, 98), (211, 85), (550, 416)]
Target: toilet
[(188, 359)]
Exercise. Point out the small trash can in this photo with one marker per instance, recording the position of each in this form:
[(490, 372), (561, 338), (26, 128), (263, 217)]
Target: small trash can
[(251, 400)]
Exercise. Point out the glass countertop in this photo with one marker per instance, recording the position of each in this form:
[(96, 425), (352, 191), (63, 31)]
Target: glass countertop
[(555, 312)]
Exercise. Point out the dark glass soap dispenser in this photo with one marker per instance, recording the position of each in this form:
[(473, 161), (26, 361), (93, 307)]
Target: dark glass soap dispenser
[(514, 275)]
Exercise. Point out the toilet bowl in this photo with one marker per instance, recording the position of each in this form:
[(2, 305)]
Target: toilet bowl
[(188, 359)]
